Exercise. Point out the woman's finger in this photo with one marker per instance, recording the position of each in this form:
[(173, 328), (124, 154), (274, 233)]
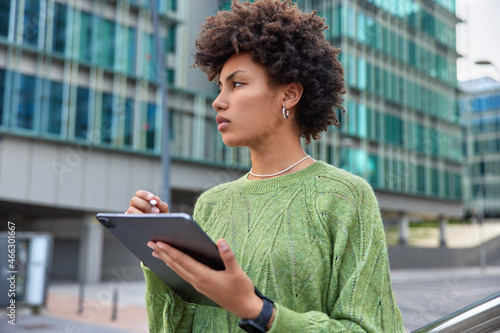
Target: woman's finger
[(133, 210), (227, 255), (143, 205), (178, 261)]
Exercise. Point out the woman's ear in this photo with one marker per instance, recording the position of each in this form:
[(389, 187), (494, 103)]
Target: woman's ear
[(293, 93)]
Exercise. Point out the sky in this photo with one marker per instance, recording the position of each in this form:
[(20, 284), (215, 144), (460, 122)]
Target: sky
[(478, 38)]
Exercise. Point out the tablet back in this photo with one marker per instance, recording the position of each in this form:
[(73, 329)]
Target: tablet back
[(176, 229)]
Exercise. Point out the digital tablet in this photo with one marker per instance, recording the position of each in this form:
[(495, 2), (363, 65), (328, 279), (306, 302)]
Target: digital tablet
[(176, 229)]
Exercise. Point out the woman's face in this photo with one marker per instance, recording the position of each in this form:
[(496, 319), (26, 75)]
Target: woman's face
[(248, 109)]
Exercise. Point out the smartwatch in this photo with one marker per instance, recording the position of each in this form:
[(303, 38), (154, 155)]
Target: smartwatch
[(259, 324)]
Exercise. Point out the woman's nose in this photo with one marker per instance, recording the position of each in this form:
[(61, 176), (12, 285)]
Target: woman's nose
[(219, 104)]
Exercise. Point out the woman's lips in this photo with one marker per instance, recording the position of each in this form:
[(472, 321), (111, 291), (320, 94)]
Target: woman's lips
[(222, 122)]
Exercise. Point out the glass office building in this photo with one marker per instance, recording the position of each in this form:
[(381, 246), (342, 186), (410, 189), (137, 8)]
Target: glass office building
[(401, 130), (87, 74), (480, 114)]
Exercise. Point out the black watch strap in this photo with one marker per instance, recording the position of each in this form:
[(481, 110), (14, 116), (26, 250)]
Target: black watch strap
[(259, 324)]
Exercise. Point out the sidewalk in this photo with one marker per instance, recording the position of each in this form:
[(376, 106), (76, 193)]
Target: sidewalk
[(61, 312), (426, 295)]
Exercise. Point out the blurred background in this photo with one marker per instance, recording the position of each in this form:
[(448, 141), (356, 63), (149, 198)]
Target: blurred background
[(98, 99)]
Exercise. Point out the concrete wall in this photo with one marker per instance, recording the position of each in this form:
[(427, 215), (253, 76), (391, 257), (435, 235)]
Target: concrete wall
[(418, 257)]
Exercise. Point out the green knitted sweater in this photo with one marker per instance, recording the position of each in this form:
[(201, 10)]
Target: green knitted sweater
[(312, 241)]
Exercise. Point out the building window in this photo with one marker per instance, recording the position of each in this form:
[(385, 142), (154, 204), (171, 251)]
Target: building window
[(26, 109), (132, 46), (82, 113), (129, 122), (421, 179), (55, 108), (171, 77), (85, 49), (105, 44), (59, 36), (4, 17), (171, 40), (173, 5), (106, 118), (2, 91), (31, 22), (150, 126)]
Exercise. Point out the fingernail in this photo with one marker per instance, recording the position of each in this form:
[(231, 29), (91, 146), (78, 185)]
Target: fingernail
[(155, 210), (155, 254), (223, 246), (151, 245), (150, 196), (153, 202)]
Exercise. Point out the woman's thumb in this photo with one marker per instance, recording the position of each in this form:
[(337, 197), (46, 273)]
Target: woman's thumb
[(226, 254)]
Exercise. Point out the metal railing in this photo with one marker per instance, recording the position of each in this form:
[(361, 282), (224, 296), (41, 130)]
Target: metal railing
[(480, 317)]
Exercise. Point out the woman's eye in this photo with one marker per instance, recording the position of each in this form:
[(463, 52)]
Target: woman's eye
[(237, 84)]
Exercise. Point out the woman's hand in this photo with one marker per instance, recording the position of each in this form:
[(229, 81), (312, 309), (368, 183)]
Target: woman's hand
[(140, 204), (231, 288)]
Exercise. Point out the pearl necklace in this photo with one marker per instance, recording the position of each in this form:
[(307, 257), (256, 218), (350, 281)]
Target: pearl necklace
[(278, 173)]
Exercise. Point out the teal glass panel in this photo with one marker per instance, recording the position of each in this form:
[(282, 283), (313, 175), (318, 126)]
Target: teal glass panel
[(435, 181), (412, 54), (362, 121), (171, 40), (378, 125), (129, 122), (150, 126), (171, 77), (351, 22), (379, 81), (352, 70), (362, 74), (353, 115), (458, 186), (225, 4), (421, 179), (55, 108), (26, 108), (413, 14), (150, 70), (336, 25), (30, 22), (173, 5), (4, 17), (2, 91), (370, 133), (373, 170), (131, 52), (82, 113), (369, 78), (387, 85), (86, 34), (59, 33), (106, 118), (361, 33), (105, 44)]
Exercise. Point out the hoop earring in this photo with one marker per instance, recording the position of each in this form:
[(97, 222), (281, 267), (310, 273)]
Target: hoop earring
[(285, 115)]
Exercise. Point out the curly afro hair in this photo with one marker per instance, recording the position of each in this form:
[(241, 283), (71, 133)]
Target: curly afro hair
[(291, 47)]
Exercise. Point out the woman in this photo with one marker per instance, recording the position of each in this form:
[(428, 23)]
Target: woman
[(308, 235)]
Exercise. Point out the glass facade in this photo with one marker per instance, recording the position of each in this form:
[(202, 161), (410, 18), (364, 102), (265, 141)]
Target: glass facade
[(401, 130), (480, 114), (402, 123), (113, 50)]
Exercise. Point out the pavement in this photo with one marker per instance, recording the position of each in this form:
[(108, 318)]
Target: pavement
[(422, 295)]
